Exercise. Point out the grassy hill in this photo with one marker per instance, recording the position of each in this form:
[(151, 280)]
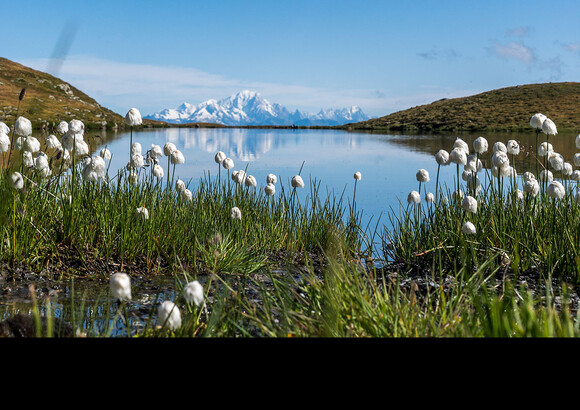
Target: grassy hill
[(49, 100), (505, 109)]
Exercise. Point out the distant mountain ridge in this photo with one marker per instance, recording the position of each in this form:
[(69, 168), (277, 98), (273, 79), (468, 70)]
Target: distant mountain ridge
[(250, 108)]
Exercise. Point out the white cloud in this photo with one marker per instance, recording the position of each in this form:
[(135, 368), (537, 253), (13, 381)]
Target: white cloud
[(514, 51)]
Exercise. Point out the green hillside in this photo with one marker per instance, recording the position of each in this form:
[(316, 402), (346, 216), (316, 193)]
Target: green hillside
[(505, 109)]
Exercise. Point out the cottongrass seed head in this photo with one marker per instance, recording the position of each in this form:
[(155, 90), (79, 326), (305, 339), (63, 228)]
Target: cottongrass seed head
[(168, 315), (120, 286)]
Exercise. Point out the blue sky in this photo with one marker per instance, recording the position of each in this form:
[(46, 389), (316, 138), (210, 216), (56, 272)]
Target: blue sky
[(383, 56)]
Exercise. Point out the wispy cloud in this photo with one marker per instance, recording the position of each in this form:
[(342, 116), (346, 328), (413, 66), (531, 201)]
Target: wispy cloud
[(573, 47), (519, 31), (435, 54), (514, 51)]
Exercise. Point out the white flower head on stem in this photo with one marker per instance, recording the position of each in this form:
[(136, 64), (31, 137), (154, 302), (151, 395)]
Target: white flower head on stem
[(422, 175), (156, 151), (499, 147), (545, 149), (142, 213), (136, 149), (459, 143), (531, 187), (179, 185), (500, 159), (120, 286), (468, 228), (358, 175), (469, 204), (556, 190), (271, 179), (413, 197), (158, 171), (228, 163), (556, 161), (52, 142), (429, 197), (537, 120), (168, 148), (137, 161), (458, 156), (235, 213), (4, 142), (16, 180), (270, 189), (219, 157), (168, 315), (442, 157), (23, 127), (177, 157), (186, 195), (133, 117), (27, 159), (76, 127), (105, 154), (508, 172), (548, 127), (31, 144), (239, 176), (567, 169), (193, 293), (480, 145), (513, 147), (4, 129), (528, 175), (250, 181), (62, 127), (297, 181)]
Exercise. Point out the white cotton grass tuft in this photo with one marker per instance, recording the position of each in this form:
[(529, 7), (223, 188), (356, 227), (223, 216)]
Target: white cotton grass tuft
[(136, 149), (544, 149), (556, 161), (120, 286), (429, 197), (413, 197), (270, 189), (239, 176), (458, 156), (460, 144), (499, 147), (531, 187), (567, 169), (105, 153), (142, 213), (219, 157), (480, 145), (422, 175), (499, 159), (473, 164), (76, 127), (168, 148), (537, 120), (297, 181), (4, 142), (527, 176), (250, 181), (468, 228), (513, 148), (556, 190), (52, 142), (228, 163), (548, 127), (133, 117), (168, 315), (31, 144), (23, 127), (235, 213), (179, 185), (62, 127), (158, 171), (4, 129), (358, 175), (16, 181), (27, 159), (442, 157), (469, 204), (193, 293), (271, 179), (186, 195), (156, 151), (137, 161)]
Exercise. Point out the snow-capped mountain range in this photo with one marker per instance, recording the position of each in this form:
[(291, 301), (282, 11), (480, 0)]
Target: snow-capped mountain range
[(250, 108)]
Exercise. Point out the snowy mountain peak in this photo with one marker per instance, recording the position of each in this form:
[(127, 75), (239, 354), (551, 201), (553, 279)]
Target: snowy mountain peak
[(250, 108)]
